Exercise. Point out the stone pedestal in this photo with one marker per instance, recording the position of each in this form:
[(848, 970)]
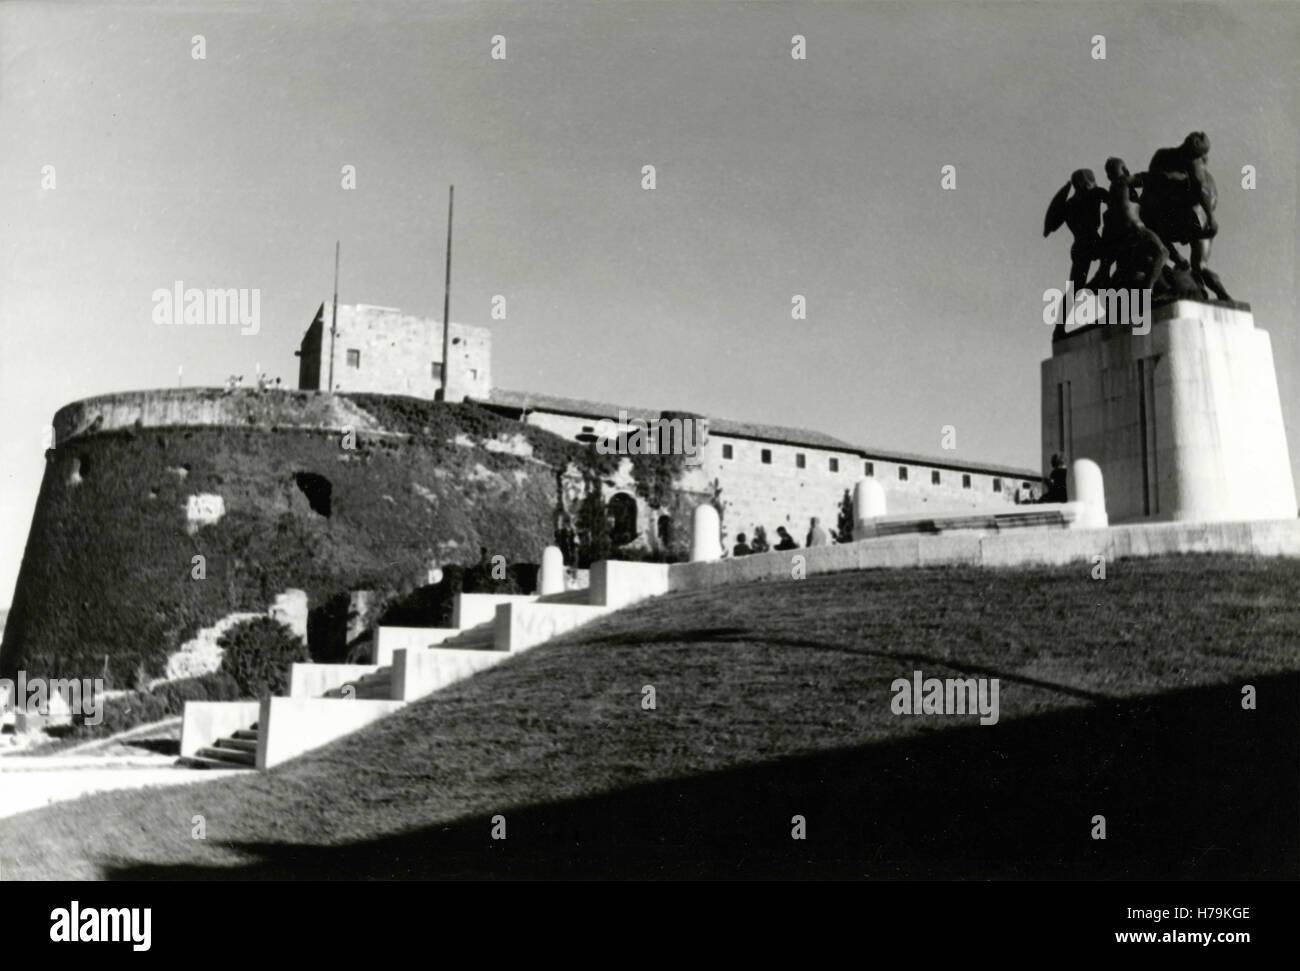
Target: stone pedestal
[(1184, 421)]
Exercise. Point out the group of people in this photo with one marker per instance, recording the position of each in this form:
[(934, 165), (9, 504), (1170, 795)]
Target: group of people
[(264, 382), (817, 536)]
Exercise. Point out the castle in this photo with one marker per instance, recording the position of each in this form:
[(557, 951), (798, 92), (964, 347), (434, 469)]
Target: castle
[(763, 475)]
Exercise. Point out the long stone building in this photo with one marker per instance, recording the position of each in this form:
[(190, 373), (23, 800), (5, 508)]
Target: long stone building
[(761, 475)]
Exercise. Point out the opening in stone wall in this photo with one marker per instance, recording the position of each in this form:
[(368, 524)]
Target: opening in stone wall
[(317, 489), (666, 530), (622, 510)]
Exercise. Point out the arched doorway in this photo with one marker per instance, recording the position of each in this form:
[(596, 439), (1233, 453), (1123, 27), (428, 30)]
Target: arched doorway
[(622, 514), (666, 531)]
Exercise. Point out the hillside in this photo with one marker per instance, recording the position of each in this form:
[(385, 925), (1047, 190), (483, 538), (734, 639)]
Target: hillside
[(108, 587), (1119, 697)]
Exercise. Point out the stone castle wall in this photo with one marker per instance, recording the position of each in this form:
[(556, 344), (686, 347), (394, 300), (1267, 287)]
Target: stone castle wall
[(780, 493), (263, 490), (178, 407)]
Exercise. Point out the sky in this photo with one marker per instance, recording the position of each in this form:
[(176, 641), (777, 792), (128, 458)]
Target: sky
[(773, 177)]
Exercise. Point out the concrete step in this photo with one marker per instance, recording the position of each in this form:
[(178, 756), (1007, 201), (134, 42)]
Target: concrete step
[(236, 756), (250, 734), (241, 744), (376, 685), (582, 596), (482, 637), (379, 690), (201, 762)]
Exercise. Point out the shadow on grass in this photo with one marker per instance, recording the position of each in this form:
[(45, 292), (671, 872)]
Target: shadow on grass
[(1191, 786), (747, 636)]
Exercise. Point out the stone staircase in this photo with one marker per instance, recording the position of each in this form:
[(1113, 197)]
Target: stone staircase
[(239, 751), (327, 701)]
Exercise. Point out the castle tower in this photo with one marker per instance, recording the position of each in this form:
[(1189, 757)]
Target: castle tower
[(1184, 420), (382, 350)]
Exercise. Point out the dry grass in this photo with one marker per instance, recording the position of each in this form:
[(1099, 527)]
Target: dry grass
[(1119, 697)]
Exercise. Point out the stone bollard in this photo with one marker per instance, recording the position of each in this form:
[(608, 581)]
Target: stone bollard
[(551, 579), (706, 532), (868, 504), (1090, 491)]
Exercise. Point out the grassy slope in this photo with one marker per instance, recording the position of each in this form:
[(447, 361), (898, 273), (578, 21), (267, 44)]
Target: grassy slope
[(1118, 697), (107, 570)]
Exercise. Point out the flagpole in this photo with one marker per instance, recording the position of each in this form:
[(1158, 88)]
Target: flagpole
[(334, 317), (446, 303)]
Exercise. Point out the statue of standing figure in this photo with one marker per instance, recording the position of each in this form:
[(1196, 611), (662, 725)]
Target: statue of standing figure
[(1136, 253), (1081, 212), (1177, 183)]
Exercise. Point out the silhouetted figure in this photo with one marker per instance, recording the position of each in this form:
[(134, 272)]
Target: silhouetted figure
[(566, 538), (741, 548), (1056, 491), (817, 535), (1176, 184), (1136, 252), (1081, 212), (759, 544), (786, 541)]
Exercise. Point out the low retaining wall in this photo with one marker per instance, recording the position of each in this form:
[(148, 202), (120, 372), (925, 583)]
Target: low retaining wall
[(520, 626), (1017, 548), (390, 640), (472, 609), (313, 680), (419, 672), (616, 584), (291, 726)]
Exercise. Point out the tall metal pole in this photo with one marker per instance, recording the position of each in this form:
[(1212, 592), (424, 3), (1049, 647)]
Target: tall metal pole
[(446, 304), (334, 317)]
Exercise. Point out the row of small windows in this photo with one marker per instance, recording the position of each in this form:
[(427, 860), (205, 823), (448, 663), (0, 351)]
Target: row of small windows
[(936, 477), (765, 456), (868, 468)]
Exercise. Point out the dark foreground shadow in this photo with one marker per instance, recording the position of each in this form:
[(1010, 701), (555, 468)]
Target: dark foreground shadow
[(1191, 787)]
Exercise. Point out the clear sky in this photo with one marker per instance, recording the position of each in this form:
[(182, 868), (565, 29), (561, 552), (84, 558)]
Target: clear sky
[(775, 177)]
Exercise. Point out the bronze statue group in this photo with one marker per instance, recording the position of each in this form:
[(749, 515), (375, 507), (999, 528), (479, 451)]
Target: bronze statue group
[(1146, 215)]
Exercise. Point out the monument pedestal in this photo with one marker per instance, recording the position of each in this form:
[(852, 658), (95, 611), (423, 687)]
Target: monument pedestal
[(1184, 421)]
